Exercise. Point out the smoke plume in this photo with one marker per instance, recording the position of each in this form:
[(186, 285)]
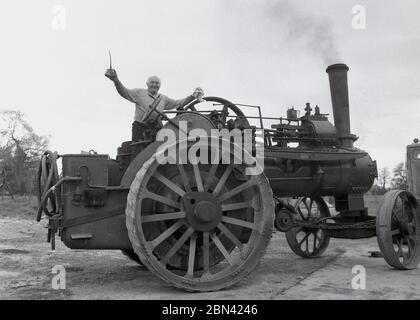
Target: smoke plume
[(314, 33), (277, 24)]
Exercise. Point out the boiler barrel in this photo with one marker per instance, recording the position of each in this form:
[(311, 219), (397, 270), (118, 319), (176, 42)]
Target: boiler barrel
[(329, 178)]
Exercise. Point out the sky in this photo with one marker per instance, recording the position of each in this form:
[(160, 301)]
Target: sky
[(270, 53)]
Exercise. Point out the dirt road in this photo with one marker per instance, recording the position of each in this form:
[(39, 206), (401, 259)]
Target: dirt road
[(26, 263)]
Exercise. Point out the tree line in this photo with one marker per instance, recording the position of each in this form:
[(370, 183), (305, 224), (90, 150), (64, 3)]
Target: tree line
[(20, 151), (387, 180)]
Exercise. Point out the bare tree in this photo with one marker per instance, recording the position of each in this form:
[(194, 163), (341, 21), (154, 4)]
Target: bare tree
[(383, 178), (21, 147), (399, 179)]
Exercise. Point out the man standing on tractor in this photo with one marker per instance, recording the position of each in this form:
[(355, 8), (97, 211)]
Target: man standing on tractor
[(147, 99)]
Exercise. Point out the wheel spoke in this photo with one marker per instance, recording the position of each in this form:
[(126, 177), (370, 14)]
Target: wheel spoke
[(206, 252), (310, 205), (316, 235), (222, 180), (222, 249), (237, 190), (184, 178), (236, 206), (177, 245), (166, 234), (400, 252), (168, 183), (198, 179), (307, 207), (411, 242), (301, 214), (314, 242), (163, 216), (159, 198), (210, 176), (239, 222), (191, 255), (230, 235), (303, 239), (407, 239)]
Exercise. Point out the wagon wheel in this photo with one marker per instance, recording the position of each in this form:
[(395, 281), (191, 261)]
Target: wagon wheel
[(398, 229), (309, 242), (210, 220)]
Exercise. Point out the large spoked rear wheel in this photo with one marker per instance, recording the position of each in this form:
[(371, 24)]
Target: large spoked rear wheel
[(309, 242), (200, 227), (398, 229)]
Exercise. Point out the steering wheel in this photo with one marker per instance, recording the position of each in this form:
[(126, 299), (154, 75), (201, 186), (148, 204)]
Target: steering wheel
[(226, 106)]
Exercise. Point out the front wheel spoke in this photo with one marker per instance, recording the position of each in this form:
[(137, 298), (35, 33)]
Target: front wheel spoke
[(159, 198), (210, 176), (400, 252), (191, 255), (237, 190), (310, 205), (180, 242), (230, 235), (198, 179), (410, 248), (301, 214), (222, 249), (206, 252), (239, 222), (305, 202), (184, 178), (168, 183), (222, 180), (163, 216), (303, 239), (166, 234), (236, 206), (316, 235)]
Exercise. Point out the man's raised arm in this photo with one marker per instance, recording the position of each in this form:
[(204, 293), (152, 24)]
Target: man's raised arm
[(122, 90)]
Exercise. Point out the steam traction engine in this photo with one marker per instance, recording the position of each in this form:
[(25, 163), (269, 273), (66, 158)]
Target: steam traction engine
[(204, 226)]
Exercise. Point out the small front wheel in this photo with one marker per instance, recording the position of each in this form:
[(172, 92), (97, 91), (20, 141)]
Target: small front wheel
[(309, 242)]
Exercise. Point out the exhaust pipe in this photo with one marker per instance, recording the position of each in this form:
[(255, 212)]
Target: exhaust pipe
[(337, 74)]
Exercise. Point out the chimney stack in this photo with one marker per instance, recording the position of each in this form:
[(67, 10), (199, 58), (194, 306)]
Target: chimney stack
[(337, 74)]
